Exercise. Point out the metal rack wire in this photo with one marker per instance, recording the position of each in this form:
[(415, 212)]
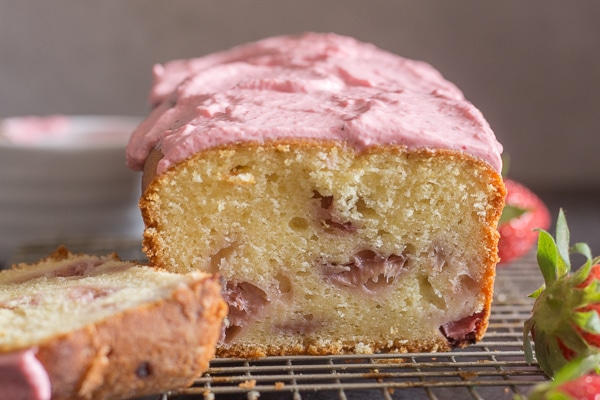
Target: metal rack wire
[(494, 369)]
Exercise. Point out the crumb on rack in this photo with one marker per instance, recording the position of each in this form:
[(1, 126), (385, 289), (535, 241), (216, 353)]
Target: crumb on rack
[(249, 384)]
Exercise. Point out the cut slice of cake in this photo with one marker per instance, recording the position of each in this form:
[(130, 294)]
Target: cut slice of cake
[(86, 327), (348, 197)]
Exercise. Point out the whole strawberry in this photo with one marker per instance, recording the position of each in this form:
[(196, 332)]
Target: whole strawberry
[(586, 387), (524, 211), (577, 380), (565, 323)]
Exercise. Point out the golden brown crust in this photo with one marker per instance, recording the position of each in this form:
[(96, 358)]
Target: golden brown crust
[(491, 247), (319, 349), (156, 347), (60, 254), (159, 345), (22, 272)]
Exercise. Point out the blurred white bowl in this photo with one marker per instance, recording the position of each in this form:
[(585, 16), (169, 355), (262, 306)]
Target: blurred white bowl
[(65, 177)]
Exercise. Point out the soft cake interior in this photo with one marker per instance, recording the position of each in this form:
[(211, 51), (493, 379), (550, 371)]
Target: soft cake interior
[(326, 250), (56, 297)]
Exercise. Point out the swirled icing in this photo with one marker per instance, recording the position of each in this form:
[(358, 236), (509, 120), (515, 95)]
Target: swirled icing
[(311, 86)]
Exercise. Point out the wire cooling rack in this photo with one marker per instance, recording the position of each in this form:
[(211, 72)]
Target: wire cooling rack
[(493, 369)]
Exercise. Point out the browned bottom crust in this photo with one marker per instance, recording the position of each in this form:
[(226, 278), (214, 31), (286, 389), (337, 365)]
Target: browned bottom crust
[(319, 349), (159, 347)]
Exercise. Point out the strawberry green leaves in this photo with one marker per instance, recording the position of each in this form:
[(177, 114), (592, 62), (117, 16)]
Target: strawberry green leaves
[(510, 212), (549, 259), (588, 321), (565, 323), (577, 380), (563, 238), (553, 257)]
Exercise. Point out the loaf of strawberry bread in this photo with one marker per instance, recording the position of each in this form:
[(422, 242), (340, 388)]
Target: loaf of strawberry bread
[(349, 197)]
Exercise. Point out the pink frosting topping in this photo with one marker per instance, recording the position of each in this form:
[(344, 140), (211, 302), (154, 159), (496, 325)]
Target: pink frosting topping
[(312, 86), (22, 376)]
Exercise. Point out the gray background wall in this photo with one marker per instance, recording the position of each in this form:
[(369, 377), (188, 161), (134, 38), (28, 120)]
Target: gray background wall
[(532, 67)]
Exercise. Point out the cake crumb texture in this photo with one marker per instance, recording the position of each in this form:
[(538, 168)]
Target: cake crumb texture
[(325, 250), (103, 328)]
